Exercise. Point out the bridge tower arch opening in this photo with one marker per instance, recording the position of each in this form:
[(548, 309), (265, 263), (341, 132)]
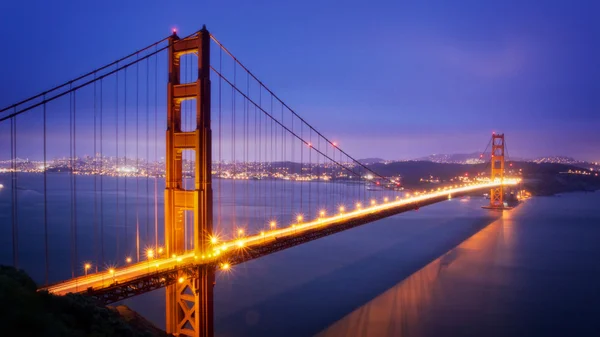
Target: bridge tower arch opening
[(189, 307)]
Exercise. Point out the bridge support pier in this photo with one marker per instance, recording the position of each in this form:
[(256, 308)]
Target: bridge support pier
[(189, 302)]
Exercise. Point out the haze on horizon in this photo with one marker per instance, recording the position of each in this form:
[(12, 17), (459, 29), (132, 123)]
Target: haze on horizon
[(396, 80)]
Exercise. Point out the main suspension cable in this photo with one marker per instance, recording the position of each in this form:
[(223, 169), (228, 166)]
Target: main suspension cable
[(73, 88), (93, 72), (236, 89), (290, 109)]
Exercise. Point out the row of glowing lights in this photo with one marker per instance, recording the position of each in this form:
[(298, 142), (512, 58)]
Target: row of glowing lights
[(241, 241), (150, 254)]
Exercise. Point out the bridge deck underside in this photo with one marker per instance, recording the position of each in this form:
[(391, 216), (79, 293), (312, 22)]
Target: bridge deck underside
[(154, 280)]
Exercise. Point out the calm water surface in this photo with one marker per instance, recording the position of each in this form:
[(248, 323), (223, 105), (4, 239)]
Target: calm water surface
[(450, 269)]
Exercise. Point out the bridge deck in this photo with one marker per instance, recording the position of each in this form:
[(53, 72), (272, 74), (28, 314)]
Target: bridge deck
[(141, 277)]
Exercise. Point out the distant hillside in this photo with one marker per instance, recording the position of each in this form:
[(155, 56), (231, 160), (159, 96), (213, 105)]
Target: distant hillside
[(557, 160), (543, 178), (458, 158), (412, 171), (367, 161)]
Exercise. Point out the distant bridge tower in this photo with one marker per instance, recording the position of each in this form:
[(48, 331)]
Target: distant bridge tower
[(189, 307), (497, 193)]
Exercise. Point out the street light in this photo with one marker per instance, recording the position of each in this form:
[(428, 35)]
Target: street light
[(273, 224), (111, 271), (299, 218), (86, 267), (128, 259), (150, 255), (342, 209)]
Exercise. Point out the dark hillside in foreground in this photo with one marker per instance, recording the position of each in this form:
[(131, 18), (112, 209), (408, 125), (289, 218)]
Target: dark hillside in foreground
[(26, 312)]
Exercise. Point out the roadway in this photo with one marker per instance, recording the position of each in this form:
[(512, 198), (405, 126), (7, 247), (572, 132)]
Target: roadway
[(222, 251)]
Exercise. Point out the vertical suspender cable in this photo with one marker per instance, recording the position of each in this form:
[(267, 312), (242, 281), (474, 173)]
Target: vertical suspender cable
[(45, 200), (282, 161), (14, 185), (75, 175), (95, 156), (266, 171), (256, 161), (301, 167), (292, 161), (273, 199), (117, 164), (156, 150), (319, 176), (233, 149), (246, 108), (71, 179), (125, 178), (220, 214), (101, 177), (146, 168), (310, 170), (137, 159)]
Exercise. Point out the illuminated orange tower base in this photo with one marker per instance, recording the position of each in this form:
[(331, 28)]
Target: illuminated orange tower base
[(189, 307), (497, 193)]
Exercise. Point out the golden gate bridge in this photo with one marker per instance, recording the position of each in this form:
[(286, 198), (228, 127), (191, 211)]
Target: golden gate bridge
[(227, 139)]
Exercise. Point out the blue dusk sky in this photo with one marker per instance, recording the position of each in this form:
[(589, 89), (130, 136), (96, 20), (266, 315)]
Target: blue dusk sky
[(390, 79)]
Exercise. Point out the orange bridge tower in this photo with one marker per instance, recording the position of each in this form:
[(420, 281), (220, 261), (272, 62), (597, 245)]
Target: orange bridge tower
[(189, 302), (497, 193)]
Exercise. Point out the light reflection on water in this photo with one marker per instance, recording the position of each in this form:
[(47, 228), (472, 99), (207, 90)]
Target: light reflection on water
[(300, 291), (533, 272), (402, 310)]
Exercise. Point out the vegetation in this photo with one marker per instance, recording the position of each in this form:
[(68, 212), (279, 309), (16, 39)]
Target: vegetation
[(28, 312)]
